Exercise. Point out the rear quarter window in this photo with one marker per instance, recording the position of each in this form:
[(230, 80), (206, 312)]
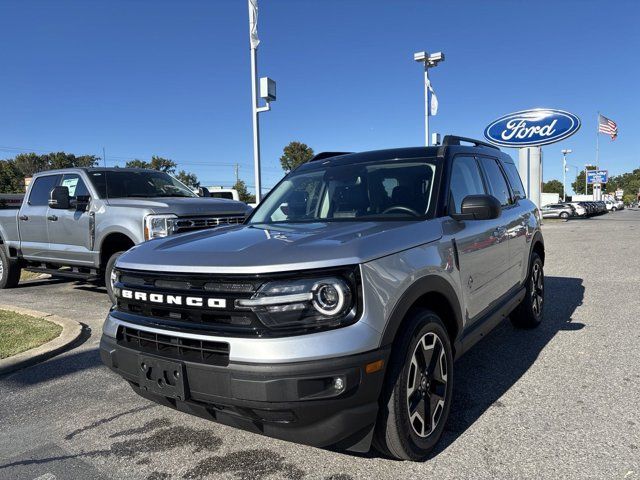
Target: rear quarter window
[(514, 180)]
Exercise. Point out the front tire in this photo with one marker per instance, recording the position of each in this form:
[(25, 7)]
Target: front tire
[(416, 397), (530, 311), (9, 270), (564, 215), (109, 276)]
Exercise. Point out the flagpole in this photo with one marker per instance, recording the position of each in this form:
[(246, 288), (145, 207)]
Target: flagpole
[(598, 142)]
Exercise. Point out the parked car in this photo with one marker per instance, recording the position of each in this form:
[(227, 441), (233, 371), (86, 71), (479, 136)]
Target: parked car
[(558, 210), (579, 208), (335, 321), (85, 218)]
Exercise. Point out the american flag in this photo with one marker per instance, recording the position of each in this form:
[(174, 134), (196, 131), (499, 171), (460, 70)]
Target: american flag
[(607, 126)]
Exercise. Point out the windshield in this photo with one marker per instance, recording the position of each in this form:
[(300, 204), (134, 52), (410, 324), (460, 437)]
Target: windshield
[(144, 184), (381, 190)]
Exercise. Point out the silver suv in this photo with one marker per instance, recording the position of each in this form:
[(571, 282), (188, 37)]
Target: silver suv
[(333, 316)]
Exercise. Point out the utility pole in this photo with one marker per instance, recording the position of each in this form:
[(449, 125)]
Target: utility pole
[(104, 158), (237, 168)]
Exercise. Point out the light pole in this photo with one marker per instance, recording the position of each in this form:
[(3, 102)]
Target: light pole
[(428, 61), (267, 92), (565, 152)]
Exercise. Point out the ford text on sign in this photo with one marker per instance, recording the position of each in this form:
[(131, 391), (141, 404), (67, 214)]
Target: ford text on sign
[(597, 176), (530, 128)]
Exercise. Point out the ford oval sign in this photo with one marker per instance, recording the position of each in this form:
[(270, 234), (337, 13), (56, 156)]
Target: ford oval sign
[(532, 128)]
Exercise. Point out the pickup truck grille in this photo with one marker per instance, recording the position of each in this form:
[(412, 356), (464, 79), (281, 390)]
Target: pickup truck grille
[(201, 351), (153, 296), (190, 224)]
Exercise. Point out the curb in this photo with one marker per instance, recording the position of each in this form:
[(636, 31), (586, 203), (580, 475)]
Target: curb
[(71, 331)]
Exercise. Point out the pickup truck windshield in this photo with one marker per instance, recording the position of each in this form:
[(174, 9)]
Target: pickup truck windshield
[(143, 184), (381, 190)]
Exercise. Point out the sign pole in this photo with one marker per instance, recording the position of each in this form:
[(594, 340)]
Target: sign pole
[(598, 142)]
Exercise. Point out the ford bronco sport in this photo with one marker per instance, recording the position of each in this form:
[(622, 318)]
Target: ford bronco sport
[(334, 314)]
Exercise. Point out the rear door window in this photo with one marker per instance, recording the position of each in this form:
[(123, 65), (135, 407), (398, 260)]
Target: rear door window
[(514, 179), (497, 183)]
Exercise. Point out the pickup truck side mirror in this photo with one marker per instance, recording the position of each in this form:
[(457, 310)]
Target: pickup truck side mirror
[(204, 192), (80, 203), (59, 198), (479, 207)]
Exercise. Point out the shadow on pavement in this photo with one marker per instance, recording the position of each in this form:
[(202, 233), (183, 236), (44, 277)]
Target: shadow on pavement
[(494, 365), (59, 366)]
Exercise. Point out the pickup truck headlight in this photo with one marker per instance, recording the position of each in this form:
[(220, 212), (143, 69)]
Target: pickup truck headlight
[(156, 226), (307, 302)]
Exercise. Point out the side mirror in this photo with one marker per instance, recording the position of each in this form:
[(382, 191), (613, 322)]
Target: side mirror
[(59, 198), (479, 207), (81, 202), (204, 192)]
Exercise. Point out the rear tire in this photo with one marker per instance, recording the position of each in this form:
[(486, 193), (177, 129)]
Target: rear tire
[(9, 270), (416, 396), (531, 310), (109, 279)]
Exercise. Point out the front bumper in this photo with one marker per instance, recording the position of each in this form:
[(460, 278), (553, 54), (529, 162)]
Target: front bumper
[(290, 401)]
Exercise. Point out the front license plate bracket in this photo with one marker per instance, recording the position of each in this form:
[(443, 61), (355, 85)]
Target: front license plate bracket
[(162, 377)]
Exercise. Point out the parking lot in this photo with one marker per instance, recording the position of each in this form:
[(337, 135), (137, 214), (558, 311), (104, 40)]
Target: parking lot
[(559, 401)]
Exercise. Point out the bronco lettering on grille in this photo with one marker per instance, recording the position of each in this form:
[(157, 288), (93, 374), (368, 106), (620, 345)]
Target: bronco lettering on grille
[(173, 299)]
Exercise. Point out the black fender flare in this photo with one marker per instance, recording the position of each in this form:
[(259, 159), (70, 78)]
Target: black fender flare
[(537, 238), (422, 286)]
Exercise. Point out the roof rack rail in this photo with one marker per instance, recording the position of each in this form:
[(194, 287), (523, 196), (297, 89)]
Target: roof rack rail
[(455, 140), (323, 155)]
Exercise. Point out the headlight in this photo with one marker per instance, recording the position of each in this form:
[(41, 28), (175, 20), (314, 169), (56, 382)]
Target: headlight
[(156, 226), (306, 302)]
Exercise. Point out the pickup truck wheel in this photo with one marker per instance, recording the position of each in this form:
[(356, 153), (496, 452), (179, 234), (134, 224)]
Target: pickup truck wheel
[(530, 311), (9, 270), (109, 276), (418, 388)]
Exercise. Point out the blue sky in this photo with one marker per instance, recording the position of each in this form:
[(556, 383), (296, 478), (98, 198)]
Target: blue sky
[(171, 78)]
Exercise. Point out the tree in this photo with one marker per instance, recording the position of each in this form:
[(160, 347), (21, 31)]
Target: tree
[(30, 163), (167, 166), (11, 178), (553, 186), (137, 163), (578, 185), (245, 196), (294, 155), (163, 164), (189, 179)]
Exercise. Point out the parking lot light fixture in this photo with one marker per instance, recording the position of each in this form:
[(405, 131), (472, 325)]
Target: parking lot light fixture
[(429, 61)]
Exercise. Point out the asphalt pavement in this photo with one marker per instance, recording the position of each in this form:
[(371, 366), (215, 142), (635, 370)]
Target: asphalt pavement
[(561, 401)]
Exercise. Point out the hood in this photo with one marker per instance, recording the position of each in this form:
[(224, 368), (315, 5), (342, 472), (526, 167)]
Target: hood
[(279, 247), (184, 207)]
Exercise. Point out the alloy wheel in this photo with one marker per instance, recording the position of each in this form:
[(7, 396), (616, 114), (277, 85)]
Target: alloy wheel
[(537, 289), (1, 267), (427, 384)]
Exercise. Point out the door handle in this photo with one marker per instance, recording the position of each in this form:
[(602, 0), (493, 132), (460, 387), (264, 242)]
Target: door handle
[(24, 218), (53, 218)]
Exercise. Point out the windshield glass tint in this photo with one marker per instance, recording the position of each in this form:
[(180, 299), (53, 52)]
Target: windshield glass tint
[(393, 189), (144, 184)]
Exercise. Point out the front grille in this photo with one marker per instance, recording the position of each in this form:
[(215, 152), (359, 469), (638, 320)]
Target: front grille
[(197, 223), (222, 321), (212, 353)]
